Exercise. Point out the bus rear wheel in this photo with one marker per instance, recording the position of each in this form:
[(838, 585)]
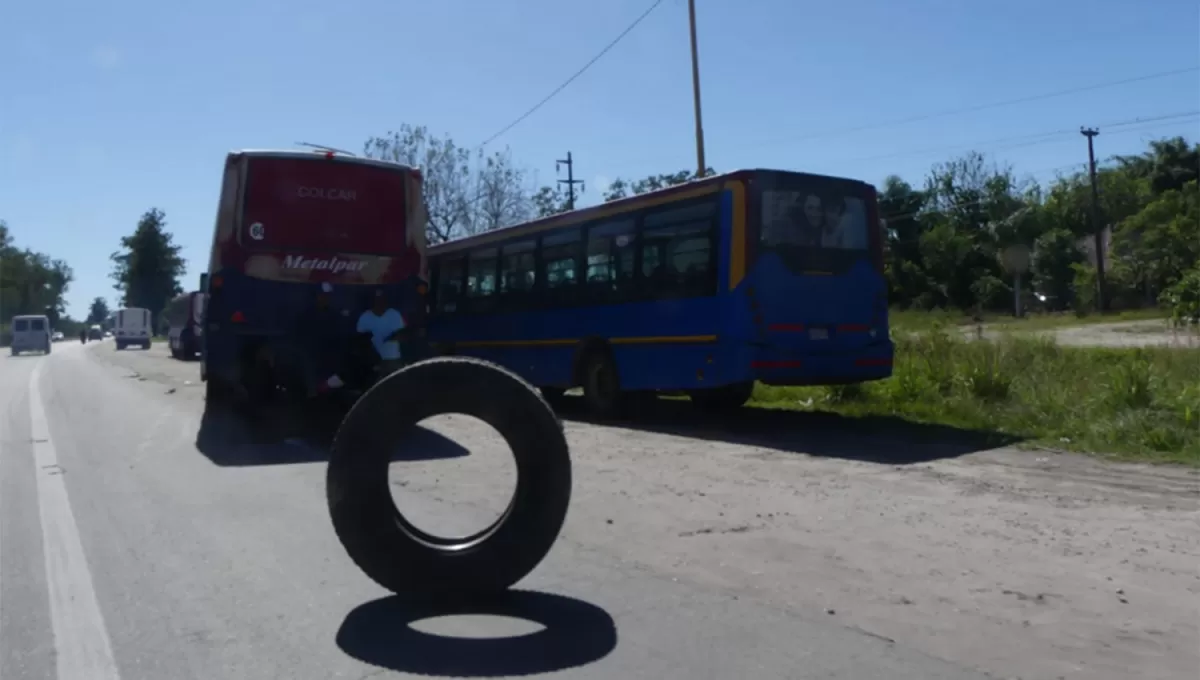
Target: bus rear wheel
[(724, 398), (187, 346), (602, 386)]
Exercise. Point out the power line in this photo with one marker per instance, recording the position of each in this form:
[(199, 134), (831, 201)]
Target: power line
[(1078, 167), (1025, 140), (982, 107), (578, 73)]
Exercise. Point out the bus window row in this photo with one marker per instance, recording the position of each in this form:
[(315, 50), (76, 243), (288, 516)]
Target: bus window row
[(664, 253)]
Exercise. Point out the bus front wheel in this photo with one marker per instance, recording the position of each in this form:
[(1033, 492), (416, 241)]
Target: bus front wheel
[(725, 398), (602, 386)]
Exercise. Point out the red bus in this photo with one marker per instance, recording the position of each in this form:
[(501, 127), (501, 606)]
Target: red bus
[(184, 318), (289, 225)]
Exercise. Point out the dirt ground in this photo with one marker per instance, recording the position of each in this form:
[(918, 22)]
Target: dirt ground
[(1023, 564), (1116, 334)]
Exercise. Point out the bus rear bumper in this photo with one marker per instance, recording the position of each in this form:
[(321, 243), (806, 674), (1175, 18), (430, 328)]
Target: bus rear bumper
[(775, 367)]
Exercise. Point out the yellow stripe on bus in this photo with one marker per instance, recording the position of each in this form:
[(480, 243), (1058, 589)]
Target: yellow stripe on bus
[(558, 342), (737, 241)]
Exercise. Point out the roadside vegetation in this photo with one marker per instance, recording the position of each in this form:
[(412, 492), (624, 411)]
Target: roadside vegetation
[(917, 321), (1130, 404)]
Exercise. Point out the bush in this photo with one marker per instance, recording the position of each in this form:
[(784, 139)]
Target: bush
[(1136, 403), (1182, 299)]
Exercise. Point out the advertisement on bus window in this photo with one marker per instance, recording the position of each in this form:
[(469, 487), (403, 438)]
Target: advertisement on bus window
[(815, 224), (814, 217)]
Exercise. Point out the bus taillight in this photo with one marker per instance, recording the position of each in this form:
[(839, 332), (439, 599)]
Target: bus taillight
[(238, 317)]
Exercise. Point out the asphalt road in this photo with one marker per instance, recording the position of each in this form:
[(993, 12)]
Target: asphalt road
[(134, 544)]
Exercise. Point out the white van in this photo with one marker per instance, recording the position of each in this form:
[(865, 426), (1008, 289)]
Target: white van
[(30, 333), (132, 327)]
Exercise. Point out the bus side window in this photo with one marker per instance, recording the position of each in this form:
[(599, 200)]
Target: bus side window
[(611, 251), (449, 286), (560, 266), (518, 273), (678, 251), (481, 278)]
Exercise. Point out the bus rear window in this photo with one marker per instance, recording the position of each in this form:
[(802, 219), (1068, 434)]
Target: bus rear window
[(316, 204), (814, 217)]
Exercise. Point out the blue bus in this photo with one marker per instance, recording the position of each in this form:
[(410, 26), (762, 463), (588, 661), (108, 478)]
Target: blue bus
[(702, 289)]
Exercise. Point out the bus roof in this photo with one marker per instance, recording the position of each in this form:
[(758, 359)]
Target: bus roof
[(697, 187), (319, 153)]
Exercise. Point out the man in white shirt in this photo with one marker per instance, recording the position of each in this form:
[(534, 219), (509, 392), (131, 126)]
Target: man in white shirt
[(384, 324)]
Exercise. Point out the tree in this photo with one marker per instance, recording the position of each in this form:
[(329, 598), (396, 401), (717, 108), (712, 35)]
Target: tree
[(620, 188), (147, 270), (1054, 258), (1156, 246), (464, 195), (900, 207), (1168, 165), (98, 311), (31, 282), (551, 201)]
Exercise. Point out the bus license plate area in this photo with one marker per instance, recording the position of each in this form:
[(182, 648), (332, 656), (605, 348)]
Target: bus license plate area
[(818, 334)]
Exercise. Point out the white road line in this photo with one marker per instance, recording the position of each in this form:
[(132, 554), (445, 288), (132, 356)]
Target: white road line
[(83, 650)]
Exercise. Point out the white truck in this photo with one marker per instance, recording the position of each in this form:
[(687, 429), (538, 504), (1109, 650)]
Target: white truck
[(132, 327)]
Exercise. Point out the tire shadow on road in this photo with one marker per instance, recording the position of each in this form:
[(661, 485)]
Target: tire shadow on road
[(874, 439), (288, 435), (574, 633)]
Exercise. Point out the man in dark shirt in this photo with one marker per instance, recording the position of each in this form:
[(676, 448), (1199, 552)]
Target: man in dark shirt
[(320, 335)]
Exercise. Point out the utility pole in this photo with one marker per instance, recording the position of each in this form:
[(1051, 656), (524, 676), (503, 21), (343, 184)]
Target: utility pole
[(570, 181), (700, 164), (1101, 293)]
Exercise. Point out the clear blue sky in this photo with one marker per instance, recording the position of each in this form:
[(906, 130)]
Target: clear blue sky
[(107, 109)]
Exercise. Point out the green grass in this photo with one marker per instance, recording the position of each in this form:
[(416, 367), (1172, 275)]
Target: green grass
[(910, 320), (1130, 404)]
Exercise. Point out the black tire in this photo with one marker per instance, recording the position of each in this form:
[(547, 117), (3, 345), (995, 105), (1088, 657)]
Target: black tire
[(724, 398), (555, 396), (146, 345), (216, 394), (399, 556), (602, 386)]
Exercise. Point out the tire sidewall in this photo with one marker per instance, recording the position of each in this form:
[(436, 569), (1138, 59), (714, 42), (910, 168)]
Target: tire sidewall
[(365, 517)]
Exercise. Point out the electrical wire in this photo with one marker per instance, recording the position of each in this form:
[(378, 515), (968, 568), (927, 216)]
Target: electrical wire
[(1078, 167), (576, 75), (1024, 140), (981, 107)]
